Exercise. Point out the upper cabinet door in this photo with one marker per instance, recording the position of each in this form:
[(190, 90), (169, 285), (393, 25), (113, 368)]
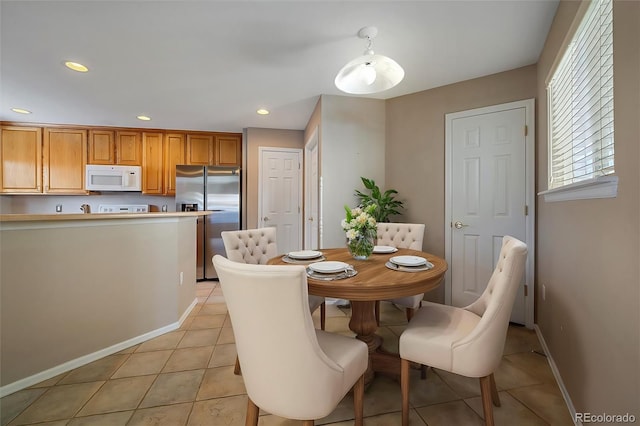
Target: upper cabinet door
[(228, 150), (199, 150), (174, 154), (102, 147), (64, 153), (152, 163), (20, 159), (128, 148)]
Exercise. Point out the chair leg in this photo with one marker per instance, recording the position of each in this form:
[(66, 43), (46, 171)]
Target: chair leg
[(423, 372), (377, 310), (358, 401), (487, 406), (404, 388), (409, 312), (252, 414), (236, 368), (323, 315), (494, 392), (307, 423)]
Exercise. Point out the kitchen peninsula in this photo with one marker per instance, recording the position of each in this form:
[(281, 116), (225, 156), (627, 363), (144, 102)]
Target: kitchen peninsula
[(77, 287)]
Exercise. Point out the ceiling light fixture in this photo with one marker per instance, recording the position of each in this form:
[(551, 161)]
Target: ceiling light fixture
[(369, 73), (76, 66), (144, 118), (21, 110), (263, 111)]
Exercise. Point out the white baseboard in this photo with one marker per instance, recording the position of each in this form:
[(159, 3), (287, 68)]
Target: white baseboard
[(86, 359), (556, 374)]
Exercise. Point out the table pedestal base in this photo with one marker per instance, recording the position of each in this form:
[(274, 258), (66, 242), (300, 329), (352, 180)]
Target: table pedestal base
[(363, 323)]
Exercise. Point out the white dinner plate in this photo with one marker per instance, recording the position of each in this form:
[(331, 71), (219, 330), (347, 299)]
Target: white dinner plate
[(384, 249), (328, 267), (408, 260), (304, 254)]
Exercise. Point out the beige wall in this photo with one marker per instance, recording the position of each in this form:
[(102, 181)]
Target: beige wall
[(73, 288), (256, 138), (588, 251), (415, 145), (352, 145)]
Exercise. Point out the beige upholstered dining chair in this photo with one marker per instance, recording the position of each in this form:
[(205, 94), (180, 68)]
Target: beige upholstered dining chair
[(289, 368), (467, 341), (401, 235), (257, 246)]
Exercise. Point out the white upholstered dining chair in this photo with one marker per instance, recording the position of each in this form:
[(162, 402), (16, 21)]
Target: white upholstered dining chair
[(290, 369), (467, 341), (257, 246), (401, 235)]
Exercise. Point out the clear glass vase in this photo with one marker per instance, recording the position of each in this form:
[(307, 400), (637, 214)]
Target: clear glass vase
[(361, 246)]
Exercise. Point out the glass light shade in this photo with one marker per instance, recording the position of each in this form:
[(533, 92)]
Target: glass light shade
[(357, 78)]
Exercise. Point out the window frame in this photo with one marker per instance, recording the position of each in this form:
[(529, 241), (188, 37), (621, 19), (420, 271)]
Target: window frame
[(596, 186)]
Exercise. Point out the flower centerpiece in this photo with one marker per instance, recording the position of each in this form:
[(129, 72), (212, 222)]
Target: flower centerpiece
[(361, 232)]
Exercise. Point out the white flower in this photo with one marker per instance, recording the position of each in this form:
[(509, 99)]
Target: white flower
[(362, 222)]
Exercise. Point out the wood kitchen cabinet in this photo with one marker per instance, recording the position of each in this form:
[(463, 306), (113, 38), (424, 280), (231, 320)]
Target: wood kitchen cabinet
[(52, 160), (128, 148), (222, 149), (102, 147), (20, 159), (199, 149), (174, 154), (152, 163), (228, 150), (115, 147), (64, 156)]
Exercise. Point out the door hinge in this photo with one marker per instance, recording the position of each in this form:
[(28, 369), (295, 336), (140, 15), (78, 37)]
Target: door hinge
[(526, 130), (526, 290), (526, 210)]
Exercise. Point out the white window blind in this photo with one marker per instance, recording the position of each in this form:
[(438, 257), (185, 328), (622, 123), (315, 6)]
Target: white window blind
[(580, 96)]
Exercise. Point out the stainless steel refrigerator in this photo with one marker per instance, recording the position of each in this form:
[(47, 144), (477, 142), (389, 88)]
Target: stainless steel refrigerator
[(216, 189)]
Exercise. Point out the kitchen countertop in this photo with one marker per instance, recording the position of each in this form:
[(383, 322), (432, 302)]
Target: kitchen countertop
[(29, 217)]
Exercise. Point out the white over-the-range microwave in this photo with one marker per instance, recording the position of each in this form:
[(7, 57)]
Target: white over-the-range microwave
[(113, 178)]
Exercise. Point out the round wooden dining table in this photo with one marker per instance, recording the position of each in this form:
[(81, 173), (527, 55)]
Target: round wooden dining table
[(374, 281)]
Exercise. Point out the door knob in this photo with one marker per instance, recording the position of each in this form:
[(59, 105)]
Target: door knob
[(459, 225), (265, 218), (310, 219)]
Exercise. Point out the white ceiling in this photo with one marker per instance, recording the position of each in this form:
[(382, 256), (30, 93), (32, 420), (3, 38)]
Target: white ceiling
[(209, 65)]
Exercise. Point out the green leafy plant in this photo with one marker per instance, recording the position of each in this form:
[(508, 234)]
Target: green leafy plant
[(386, 204)]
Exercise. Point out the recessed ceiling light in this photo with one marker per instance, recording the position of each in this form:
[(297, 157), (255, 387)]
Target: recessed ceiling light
[(144, 118), (263, 111), (76, 66), (21, 111)]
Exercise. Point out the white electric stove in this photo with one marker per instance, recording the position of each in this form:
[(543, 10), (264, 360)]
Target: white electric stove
[(123, 208)]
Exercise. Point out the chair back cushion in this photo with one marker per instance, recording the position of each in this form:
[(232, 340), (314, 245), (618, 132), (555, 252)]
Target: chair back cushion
[(479, 353), (284, 369), (401, 235), (253, 246)]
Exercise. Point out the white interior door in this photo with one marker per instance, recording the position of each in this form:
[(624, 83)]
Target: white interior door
[(311, 193), (279, 196), (487, 197)]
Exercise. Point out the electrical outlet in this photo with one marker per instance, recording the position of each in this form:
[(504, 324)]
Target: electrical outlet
[(58, 208), (181, 277), (544, 292)]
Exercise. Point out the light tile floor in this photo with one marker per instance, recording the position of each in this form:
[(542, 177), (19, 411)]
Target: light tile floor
[(185, 377)]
